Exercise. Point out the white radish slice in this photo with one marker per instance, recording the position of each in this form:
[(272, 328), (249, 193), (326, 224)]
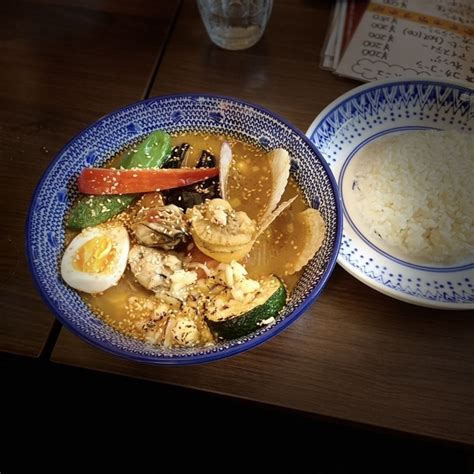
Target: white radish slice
[(280, 169), (224, 167), (265, 223)]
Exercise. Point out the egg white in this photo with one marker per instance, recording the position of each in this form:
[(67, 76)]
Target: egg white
[(96, 282)]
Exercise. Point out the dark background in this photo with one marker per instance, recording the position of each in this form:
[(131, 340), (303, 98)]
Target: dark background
[(59, 406)]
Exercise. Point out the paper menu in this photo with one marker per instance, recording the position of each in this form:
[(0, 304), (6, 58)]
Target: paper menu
[(422, 38)]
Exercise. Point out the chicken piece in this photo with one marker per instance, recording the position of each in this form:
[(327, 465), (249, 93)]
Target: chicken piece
[(185, 332), (160, 272), (234, 276)]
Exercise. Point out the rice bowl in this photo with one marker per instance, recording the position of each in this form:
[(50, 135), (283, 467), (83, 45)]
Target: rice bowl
[(428, 269)]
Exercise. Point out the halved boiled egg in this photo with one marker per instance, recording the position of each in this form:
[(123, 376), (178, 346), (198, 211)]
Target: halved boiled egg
[(96, 258)]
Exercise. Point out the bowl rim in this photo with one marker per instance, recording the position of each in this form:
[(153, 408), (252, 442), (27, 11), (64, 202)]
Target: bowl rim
[(325, 112), (189, 359)]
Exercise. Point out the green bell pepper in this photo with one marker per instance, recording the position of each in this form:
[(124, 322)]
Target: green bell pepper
[(90, 211)]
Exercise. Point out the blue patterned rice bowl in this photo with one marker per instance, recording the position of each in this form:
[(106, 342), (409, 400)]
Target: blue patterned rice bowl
[(380, 109)]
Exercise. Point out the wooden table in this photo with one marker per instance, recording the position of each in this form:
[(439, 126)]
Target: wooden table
[(64, 64), (356, 355)]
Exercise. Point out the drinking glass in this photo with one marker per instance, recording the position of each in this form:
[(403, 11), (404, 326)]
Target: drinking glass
[(235, 24)]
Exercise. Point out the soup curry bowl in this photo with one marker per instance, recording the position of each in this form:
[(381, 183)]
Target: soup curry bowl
[(206, 122)]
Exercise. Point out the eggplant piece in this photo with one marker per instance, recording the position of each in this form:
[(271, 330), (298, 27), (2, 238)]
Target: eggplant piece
[(195, 194), (178, 154), (206, 160)]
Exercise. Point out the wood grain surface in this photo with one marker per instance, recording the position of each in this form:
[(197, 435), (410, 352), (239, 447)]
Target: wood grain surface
[(356, 355), (280, 72), (353, 356), (64, 64)]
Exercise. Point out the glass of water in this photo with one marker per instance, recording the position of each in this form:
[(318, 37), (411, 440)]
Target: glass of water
[(235, 24)]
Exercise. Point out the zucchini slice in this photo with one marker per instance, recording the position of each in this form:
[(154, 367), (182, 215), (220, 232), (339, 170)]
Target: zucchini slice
[(235, 319)]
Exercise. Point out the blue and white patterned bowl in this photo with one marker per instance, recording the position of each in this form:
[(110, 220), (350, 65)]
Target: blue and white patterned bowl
[(180, 113), (365, 114)]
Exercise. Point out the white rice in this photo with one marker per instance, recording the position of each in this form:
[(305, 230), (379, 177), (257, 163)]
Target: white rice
[(415, 191)]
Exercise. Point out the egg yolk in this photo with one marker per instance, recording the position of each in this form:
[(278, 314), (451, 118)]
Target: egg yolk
[(95, 256)]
